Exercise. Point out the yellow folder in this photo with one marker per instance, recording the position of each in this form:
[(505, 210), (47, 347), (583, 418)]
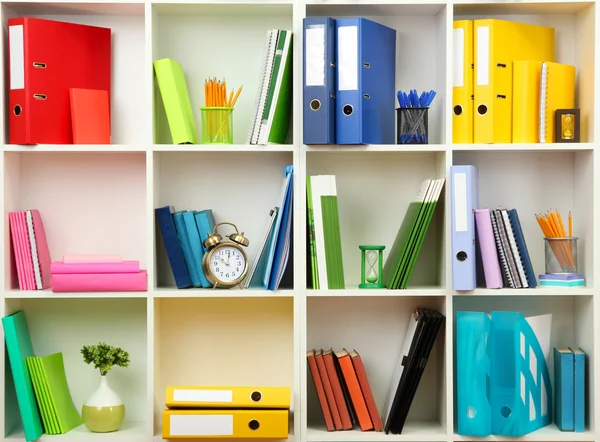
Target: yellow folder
[(557, 91), (526, 101), (225, 424), (462, 83), (498, 43), (227, 397)]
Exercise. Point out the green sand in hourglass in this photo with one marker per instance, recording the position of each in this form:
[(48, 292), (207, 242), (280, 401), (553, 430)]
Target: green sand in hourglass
[(372, 263)]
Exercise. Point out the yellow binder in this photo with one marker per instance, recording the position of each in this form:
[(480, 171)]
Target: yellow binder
[(462, 83), (557, 91), (526, 101), (227, 397), (225, 424), (498, 43)]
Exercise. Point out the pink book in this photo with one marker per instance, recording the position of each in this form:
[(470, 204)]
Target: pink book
[(22, 249), (91, 259), (39, 249), (116, 267), (100, 282), (487, 245)]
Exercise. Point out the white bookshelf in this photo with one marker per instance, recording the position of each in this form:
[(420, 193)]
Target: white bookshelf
[(101, 199)]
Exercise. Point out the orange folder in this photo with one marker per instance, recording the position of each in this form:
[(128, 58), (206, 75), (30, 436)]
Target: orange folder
[(90, 116)]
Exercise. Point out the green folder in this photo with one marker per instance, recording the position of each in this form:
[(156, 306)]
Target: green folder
[(42, 395), (176, 100), (19, 348), (333, 242), (60, 396)]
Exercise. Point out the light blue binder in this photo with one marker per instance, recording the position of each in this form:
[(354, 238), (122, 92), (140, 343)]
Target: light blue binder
[(520, 391), (473, 374), (319, 80), (465, 199), (564, 389), (366, 76), (184, 240), (196, 245)]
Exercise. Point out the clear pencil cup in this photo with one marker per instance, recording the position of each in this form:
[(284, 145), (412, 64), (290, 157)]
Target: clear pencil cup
[(561, 255), (217, 125)]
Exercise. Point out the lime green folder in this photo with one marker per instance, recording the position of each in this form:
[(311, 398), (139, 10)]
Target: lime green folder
[(176, 100), (42, 396)]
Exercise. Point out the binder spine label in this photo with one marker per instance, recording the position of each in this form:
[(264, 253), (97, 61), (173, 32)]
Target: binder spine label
[(181, 395), (194, 425), (347, 42), (458, 76), (460, 202), (315, 56), (17, 57), (483, 56)]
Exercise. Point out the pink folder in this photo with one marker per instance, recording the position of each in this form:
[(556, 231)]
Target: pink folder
[(116, 267), (100, 282), (489, 253), (22, 250), (43, 252), (78, 259)]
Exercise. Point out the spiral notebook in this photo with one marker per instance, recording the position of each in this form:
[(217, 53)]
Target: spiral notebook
[(557, 91)]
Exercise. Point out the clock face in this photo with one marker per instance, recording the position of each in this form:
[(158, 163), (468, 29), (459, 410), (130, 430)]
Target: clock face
[(227, 263)]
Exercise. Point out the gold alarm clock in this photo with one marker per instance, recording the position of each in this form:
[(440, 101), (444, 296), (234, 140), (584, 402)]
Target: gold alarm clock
[(225, 264)]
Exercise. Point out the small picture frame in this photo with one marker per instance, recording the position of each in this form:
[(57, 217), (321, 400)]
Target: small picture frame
[(566, 127)]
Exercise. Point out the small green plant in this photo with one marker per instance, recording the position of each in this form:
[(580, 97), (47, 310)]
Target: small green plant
[(104, 357)]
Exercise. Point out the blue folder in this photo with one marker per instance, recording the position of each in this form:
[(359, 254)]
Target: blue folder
[(366, 75), (319, 81), (181, 274)]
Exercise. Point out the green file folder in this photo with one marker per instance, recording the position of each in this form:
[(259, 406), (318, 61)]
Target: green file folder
[(176, 100)]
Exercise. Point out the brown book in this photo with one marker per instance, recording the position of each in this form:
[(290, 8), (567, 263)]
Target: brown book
[(336, 386), (358, 401), (314, 371), (363, 380), (335, 414)]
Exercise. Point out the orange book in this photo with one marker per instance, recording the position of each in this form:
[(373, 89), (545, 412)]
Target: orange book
[(335, 414), (336, 386), (314, 371), (363, 380), (90, 116), (358, 401)]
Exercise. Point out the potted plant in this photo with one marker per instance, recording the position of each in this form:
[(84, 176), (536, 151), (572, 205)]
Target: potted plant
[(104, 411)]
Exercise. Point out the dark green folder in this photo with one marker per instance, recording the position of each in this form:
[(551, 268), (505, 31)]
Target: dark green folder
[(333, 242), (400, 249)]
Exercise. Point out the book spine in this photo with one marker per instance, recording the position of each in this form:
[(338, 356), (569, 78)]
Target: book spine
[(118, 267), (100, 282)]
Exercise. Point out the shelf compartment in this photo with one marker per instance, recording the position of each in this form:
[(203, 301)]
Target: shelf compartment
[(373, 193), (126, 20), (191, 335), (61, 325), (239, 29), (359, 323), (129, 432), (574, 24), (572, 326), (356, 292), (89, 202), (420, 48), (534, 182), (244, 192)]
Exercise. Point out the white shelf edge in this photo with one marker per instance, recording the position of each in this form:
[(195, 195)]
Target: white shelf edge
[(420, 431), (222, 148), (549, 433), (216, 293), (409, 148), (49, 294), (112, 148), (524, 147), (356, 292), (539, 291)]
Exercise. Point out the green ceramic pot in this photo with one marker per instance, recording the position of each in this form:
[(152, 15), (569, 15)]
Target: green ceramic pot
[(104, 411)]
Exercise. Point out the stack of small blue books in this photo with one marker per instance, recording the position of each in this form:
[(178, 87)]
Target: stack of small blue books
[(562, 280)]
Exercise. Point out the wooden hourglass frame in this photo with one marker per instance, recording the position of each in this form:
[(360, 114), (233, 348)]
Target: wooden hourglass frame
[(370, 277)]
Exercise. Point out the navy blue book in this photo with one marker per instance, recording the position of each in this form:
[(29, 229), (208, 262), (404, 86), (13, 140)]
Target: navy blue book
[(164, 217)]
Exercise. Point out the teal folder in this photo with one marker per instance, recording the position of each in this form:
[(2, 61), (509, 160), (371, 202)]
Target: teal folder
[(19, 348)]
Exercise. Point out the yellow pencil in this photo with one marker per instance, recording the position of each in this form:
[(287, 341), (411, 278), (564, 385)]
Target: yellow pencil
[(236, 95), (570, 225)]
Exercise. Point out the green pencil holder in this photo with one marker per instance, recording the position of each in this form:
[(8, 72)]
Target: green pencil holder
[(217, 125)]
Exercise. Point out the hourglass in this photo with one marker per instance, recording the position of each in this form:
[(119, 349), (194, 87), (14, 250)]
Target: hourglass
[(371, 267)]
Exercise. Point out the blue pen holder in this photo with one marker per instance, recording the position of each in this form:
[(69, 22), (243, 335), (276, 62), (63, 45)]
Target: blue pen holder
[(412, 125)]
